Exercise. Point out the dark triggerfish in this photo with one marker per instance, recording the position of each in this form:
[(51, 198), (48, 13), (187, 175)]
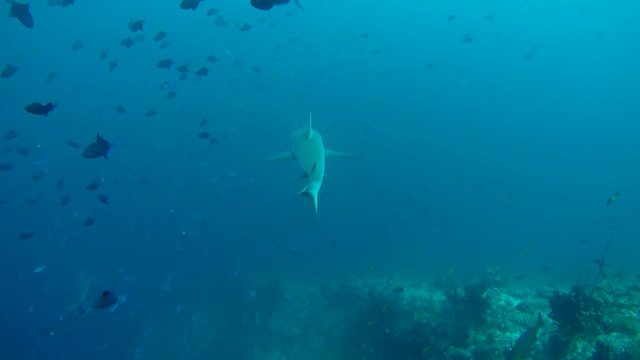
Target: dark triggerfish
[(189, 4), (98, 148), (8, 71), (36, 108), (520, 351), (106, 300), (22, 13), (268, 4)]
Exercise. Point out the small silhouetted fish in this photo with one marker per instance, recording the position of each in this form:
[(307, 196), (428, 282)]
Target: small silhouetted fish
[(165, 64), (161, 35), (245, 27), (165, 44), (60, 3), (613, 198), (59, 184), (128, 42), (262, 4), (113, 65), (171, 94), (256, 69), (183, 68), (544, 269), (94, 185), (72, 144), (103, 55), (214, 140), (212, 58), (398, 290), (151, 113), (22, 151), (105, 300), (64, 200), (77, 45), (40, 109), (268, 4), (26, 235), (203, 122), (203, 71), (238, 62), (47, 331), (10, 135), (5, 167), (104, 199), (136, 25), (212, 11), (88, 221), (489, 17), (99, 148), (164, 85), (518, 277), (22, 13), (204, 135), (467, 39), (451, 18), (120, 109), (34, 200), (190, 4), (51, 78), (220, 21), (8, 71), (38, 175)]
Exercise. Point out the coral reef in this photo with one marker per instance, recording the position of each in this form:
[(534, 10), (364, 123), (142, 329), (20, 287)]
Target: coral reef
[(381, 318), (487, 319)]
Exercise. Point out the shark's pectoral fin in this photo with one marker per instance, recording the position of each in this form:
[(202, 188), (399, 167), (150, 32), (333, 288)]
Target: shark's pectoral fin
[(328, 153), (311, 191), (287, 155)]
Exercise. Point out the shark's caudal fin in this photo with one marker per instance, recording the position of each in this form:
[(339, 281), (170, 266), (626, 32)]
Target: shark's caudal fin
[(311, 191), (287, 155)]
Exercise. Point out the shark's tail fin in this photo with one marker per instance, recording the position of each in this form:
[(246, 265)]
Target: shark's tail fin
[(311, 191)]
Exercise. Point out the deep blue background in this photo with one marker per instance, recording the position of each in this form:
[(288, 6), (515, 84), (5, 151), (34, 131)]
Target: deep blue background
[(469, 155)]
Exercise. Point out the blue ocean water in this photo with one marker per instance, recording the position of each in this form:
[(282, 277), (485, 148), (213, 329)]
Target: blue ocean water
[(486, 135)]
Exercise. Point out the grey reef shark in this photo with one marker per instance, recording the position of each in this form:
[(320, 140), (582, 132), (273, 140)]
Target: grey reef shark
[(308, 149)]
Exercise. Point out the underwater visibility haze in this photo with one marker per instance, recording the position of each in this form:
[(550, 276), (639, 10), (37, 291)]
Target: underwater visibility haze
[(443, 179)]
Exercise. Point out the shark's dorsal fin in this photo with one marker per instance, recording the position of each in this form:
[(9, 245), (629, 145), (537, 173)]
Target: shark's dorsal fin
[(310, 128)]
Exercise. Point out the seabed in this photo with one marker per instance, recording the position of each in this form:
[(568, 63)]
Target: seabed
[(380, 318)]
